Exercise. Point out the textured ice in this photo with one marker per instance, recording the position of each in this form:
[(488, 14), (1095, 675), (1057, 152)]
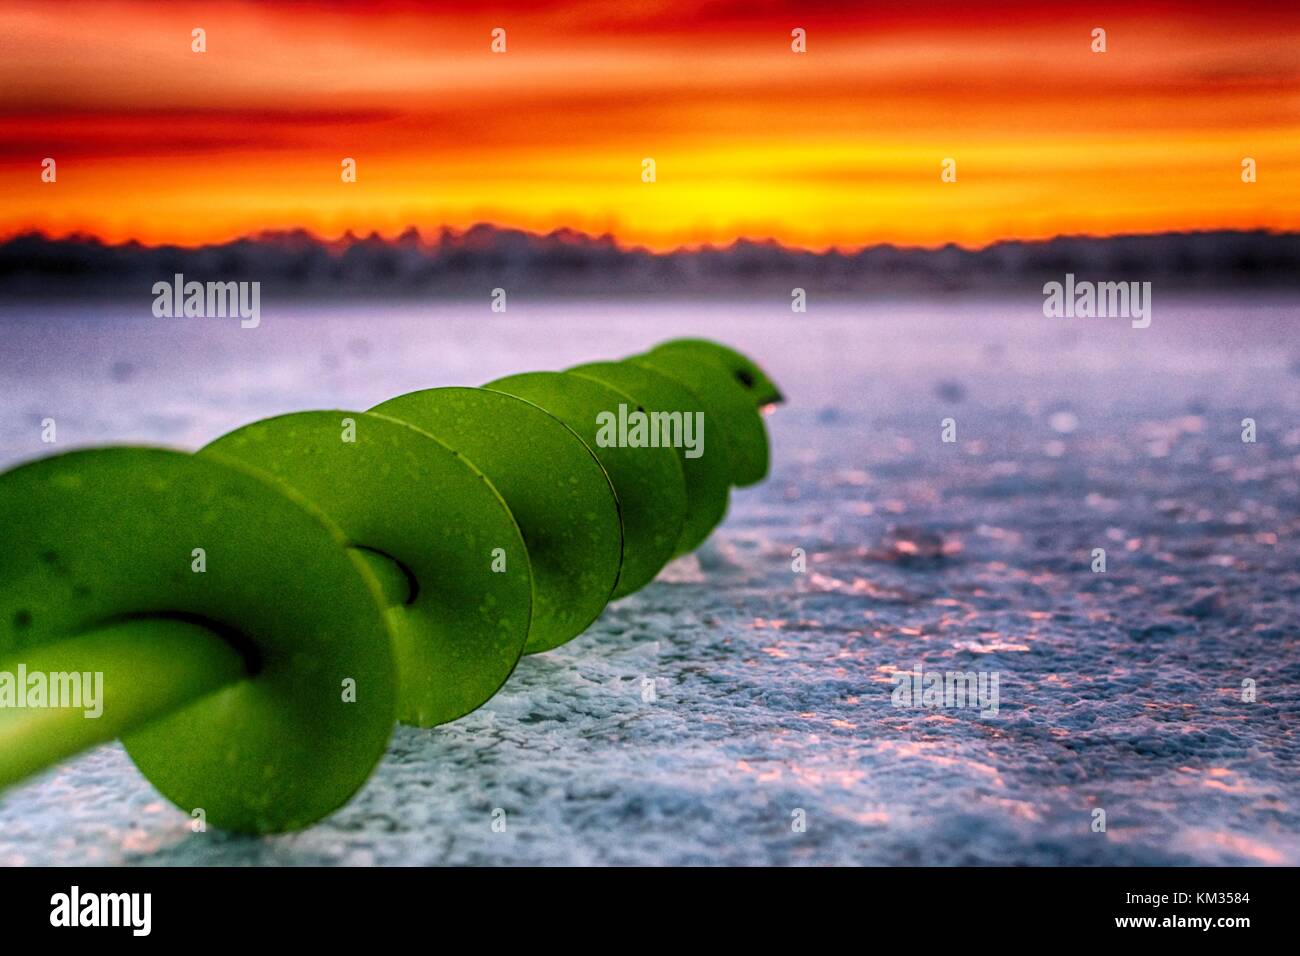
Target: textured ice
[(772, 690)]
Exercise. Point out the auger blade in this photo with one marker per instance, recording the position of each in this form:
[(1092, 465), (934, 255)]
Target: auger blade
[(95, 539), (555, 488), (402, 494), (730, 403), (708, 473), (648, 481)]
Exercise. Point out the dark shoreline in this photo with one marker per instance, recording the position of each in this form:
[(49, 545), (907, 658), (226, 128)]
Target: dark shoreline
[(565, 264)]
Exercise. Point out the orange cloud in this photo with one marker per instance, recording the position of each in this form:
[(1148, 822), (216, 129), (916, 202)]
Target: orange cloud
[(838, 146)]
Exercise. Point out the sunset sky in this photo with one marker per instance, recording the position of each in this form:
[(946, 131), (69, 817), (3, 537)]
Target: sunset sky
[(838, 146)]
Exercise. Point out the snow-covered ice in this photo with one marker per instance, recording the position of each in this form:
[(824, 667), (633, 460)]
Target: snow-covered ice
[(1119, 691)]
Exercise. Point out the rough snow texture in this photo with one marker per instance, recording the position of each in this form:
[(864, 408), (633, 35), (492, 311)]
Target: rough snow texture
[(1120, 691)]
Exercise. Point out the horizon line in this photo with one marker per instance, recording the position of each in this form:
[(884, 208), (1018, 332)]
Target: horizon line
[(350, 236)]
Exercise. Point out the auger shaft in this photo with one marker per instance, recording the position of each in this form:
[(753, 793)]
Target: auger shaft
[(154, 665)]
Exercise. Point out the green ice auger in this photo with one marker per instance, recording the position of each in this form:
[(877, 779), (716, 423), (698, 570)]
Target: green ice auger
[(264, 609)]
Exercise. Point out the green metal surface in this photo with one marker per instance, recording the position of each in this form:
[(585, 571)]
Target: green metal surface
[(433, 518), (707, 475), (258, 615), (555, 488), (648, 481), (727, 400), (94, 539)]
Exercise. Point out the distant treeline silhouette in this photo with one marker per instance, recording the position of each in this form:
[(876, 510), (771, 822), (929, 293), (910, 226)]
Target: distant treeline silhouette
[(474, 261)]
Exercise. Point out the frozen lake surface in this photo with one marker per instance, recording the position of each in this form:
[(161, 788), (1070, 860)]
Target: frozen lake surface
[(1119, 691)]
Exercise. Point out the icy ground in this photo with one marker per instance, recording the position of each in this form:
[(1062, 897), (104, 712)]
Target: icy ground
[(1119, 691)]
